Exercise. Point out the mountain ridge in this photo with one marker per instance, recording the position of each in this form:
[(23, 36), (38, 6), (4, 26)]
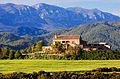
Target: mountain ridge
[(46, 20), (44, 16)]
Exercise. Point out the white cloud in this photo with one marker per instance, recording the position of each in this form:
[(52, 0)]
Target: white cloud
[(117, 12)]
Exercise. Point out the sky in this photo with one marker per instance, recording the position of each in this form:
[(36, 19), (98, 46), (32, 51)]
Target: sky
[(111, 6)]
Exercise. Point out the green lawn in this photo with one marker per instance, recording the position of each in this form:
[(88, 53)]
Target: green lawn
[(7, 66)]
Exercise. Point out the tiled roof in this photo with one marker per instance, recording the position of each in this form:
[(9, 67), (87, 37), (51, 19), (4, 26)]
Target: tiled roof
[(67, 37)]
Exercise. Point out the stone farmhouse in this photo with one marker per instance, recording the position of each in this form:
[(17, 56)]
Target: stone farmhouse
[(74, 40)]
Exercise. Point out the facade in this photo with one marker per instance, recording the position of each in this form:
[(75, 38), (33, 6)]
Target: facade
[(74, 40), (46, 48), (104, 46)]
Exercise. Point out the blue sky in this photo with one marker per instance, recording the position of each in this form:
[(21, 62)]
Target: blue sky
[(112, 6)]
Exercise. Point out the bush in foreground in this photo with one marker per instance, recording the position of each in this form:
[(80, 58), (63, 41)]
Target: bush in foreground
[(62, 75)]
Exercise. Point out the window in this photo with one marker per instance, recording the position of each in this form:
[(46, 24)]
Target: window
[(73, 42), (63, 41), (67, 41)]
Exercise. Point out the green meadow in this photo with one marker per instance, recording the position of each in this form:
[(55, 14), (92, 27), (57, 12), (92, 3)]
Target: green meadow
[(29, 66)]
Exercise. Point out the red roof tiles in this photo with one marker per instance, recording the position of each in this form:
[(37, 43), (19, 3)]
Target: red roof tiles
[(67, 37)]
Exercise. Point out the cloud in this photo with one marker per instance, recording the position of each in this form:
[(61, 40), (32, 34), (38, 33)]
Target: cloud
[(117, 12)]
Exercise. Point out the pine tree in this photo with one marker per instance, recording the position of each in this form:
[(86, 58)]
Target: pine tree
[(29, 50), (11, 54), (38, 46), (5, 53), (18, 55), (0, 52), (33, 48)]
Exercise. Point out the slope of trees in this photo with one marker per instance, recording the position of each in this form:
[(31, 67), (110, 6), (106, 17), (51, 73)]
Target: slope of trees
[(94, 33), (16, 42), (99, 32)]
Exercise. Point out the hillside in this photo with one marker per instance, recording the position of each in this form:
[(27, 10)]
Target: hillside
[(42, 21), (44, 17), (17, 42), (99, 32), (94, 33)]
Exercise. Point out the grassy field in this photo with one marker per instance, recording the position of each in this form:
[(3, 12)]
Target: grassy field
[(7, 66)]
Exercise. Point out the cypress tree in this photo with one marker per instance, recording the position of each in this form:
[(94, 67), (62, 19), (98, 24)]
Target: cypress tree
[(18, 55), (11, 54)]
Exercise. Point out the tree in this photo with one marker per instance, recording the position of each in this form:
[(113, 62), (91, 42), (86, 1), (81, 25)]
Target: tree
[(11, 54), (22, 51), (0, 52), (5, 52), (58, 47), (33, 48), (38, 46), (18, 55), (29, 50), (74, 50)]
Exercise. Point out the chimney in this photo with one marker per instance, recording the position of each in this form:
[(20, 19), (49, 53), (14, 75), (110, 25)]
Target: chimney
[(55, 36)]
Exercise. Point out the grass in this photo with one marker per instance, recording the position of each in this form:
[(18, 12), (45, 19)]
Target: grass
[(28, 66)]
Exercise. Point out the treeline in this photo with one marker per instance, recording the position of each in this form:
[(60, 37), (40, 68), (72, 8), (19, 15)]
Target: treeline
[(77, 53), (59, 52), (6, 53), (94, 55), (60, 75), (82, 55)]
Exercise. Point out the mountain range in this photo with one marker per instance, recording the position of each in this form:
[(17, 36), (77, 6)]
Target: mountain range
[(44, 17), (23, 25)]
